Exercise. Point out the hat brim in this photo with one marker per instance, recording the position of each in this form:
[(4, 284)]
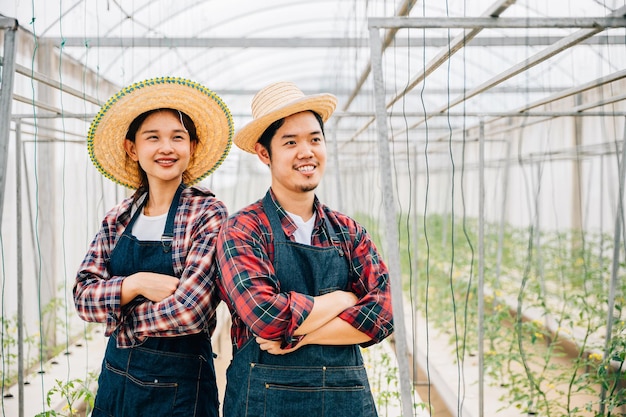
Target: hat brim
[(248, 136), (209, 113)]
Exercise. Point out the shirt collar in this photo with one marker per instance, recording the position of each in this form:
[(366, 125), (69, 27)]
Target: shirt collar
[(289, 227)]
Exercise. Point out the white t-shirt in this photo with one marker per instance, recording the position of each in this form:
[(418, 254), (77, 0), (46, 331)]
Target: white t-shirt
[(304, 230), (149, 227)]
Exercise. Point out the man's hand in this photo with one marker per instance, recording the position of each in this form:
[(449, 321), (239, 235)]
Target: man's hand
[(273, 346)]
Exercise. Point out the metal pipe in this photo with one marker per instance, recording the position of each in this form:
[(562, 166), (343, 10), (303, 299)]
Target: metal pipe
[(615, 20), (6, 100), (391, 235), (446, 53), (481, 271), (20, 270), (615, 266)]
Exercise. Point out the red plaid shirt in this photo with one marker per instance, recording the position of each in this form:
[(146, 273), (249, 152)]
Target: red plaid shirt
[(191, 309), (248, 284)]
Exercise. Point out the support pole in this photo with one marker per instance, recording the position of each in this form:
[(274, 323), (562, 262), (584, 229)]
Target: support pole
[(616, 261), (481, 270), (392, 251), (6, 99), (20, 269)]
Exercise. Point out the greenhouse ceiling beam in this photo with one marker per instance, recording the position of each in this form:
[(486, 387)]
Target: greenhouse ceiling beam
[(590, 150), (436, 42), (576, 90), (403, 10), (38, 104), (446, 53), (44, 79), (57, 112), (502, 114), (615, 20), (431, 90), (599, 82), (493, 11), (560, 46)]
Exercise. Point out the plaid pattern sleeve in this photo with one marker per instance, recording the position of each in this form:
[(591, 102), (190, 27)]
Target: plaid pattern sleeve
[(97, 294), (191, 309), (248, 284), (370, 280)]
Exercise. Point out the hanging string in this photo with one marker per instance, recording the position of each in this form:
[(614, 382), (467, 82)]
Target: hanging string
[(67, 301), (459, 358), (425, 216), (86, 193), (410, 210), (466, 235), (36, 220)]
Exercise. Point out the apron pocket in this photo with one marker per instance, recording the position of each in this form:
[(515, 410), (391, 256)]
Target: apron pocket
[(347, 390), (288, 401), (147, 382), (143, 393), (276, 391), (284, 401)]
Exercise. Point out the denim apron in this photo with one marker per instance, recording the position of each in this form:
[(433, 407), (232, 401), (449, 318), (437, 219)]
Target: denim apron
[(315, 380), (164, 376)]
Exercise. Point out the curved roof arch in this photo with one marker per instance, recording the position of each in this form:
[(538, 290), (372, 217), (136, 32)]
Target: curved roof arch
[(239, 46)]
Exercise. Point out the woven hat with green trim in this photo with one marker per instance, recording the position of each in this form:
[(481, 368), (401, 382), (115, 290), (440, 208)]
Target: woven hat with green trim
[(214, 126)]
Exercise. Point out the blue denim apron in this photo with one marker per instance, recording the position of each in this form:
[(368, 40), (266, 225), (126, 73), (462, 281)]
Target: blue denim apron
[(315, 380), (164, 376)]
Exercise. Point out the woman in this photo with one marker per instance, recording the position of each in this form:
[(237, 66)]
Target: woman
[(149, 272)]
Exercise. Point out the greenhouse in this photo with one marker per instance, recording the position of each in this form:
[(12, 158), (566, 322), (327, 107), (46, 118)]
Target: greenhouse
[(480, 144)]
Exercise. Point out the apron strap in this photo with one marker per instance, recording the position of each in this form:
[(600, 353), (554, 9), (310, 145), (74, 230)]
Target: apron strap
[(332, 236), (271, 210), (168, 233)]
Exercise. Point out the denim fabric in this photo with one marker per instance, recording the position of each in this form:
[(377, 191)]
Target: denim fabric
[(164, 376), (315, 380), (172, 376)]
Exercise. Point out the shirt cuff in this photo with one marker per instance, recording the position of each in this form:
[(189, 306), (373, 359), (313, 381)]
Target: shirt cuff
[(351, 316), (301, 306), (113, 300)]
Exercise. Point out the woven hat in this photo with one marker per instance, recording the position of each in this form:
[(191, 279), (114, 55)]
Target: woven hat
[(276, 101), (214, 126)]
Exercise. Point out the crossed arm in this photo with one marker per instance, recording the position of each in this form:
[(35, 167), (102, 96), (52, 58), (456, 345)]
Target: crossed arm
[(285, 321), (323, 326)]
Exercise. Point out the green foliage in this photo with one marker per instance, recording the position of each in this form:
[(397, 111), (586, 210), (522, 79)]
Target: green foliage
[(72, 392), (545, 300), (384, 381)]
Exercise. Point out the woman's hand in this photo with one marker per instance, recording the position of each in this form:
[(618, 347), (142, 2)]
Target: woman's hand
[(155, 287)]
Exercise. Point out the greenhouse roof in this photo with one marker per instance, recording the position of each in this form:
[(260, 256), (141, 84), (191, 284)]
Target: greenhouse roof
[(469, 59)]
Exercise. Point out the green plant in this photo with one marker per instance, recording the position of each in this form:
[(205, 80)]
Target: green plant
[(545, 309), (384, 381), (73, 392)]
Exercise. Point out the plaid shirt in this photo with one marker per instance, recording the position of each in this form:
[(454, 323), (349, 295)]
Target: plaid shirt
[(248, 284), (191, 309)]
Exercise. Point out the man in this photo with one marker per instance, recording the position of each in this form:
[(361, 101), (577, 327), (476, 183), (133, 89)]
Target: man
[(304, 284)]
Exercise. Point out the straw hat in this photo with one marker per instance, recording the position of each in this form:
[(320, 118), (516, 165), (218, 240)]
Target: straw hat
[(108, 129), (276, 101)]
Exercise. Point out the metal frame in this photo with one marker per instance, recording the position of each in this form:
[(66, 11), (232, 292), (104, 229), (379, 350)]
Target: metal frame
[(587, 28), (6, 97)]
